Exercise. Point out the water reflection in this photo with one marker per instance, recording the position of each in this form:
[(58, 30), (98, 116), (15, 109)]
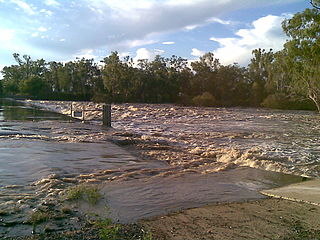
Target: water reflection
[(13, 110)]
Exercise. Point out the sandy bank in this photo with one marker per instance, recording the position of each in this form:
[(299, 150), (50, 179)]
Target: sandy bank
[(263, 219)]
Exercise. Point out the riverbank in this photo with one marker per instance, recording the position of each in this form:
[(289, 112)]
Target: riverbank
[(263, 219)]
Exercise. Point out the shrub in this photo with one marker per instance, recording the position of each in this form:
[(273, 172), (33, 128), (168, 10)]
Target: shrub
[(88, 193), (206, 99), (281, 101), (277, 101)]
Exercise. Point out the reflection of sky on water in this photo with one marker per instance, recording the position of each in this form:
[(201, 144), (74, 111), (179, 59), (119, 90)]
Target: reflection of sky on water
[(10, 110)]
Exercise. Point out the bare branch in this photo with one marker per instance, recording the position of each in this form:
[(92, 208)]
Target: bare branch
[(314, 4)]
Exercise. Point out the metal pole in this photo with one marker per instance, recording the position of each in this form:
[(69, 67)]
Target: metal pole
[(106, 117)]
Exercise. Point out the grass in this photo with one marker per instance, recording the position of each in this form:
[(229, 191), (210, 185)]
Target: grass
[(111, 231), (38, 217), (147, 236), (87, 193), (108, 230), (300, 232)]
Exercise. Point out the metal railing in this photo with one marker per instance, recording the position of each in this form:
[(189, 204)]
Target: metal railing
[(75, 112)]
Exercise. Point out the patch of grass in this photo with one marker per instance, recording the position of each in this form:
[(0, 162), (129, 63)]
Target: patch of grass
[(300, 232), (147, 236), (66, 210), (38, 216), (111, 231), (108, 230), (88, 193)]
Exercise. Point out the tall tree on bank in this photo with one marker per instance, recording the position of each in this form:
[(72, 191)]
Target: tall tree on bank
[(259, 70), (303, 51)]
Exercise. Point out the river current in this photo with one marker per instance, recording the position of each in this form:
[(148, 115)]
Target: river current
[(155, 159)]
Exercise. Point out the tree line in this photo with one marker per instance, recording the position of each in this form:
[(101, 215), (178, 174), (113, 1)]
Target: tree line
[(285, 79)]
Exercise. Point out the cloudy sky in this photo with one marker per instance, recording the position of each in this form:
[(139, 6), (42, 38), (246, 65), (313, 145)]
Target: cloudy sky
[(62, 30)]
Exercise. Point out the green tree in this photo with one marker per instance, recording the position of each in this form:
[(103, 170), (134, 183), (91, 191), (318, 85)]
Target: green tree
[(1, 87), (205, 74), (232, 88), (259, 70), (16, 77), (117, 78), (279, 77), (303, 53), (34, 86), (12, 77)]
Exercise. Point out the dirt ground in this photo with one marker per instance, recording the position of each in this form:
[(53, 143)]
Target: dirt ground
[(262, 219)]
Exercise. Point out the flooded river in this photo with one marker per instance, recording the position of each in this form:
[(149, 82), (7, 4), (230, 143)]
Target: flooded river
[(155, 159)]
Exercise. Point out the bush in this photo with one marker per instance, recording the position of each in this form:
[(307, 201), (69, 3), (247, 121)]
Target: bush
[(206, 99), (99, 98), (88, 193), (277, 101), (281, 101)]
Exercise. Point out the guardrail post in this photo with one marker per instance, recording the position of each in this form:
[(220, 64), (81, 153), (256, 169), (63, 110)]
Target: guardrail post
[(106, 116), (83, 111)]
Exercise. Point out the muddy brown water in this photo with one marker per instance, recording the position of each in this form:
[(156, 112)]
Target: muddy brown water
[(194, 157)]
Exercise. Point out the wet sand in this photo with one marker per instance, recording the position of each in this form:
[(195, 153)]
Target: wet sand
[(262, 219)]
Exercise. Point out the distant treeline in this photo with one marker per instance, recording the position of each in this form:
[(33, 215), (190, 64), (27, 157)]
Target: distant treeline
[(287, 79)]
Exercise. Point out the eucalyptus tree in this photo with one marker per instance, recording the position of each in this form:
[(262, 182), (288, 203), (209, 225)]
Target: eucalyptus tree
[(259, 70), (52, 76), (279, 76), (205, 74), (117, 78), (16, 78), (11, 79), (232, 88), (303, 53), (179, 76)]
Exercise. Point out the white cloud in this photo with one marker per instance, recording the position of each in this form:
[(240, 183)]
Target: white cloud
[(52, 3), (42, 29), (143, 53), (85, 53), (6, 35), (138, 43), (124, 54), (46, 12), (197, 53), (24, 6), (209, 20), (266, 32), (218, 20), (168, 43), (191, 27), (36, 34)]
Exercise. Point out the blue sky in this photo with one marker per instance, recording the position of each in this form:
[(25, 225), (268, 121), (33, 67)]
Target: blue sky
[(62, 30)]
